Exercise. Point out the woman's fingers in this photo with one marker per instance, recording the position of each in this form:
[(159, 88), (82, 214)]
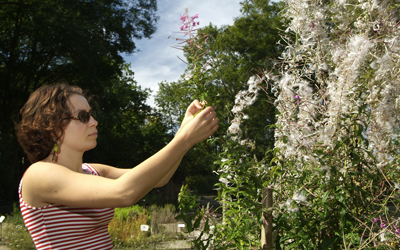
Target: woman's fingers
[(198, 104), (214, 124), (206, 112), (210, 116), (194, 107)]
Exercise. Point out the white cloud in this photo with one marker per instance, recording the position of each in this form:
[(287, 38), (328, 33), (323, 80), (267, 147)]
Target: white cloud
[(157, 61)]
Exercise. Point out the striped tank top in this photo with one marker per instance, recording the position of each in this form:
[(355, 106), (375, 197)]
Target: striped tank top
[(62, 227)]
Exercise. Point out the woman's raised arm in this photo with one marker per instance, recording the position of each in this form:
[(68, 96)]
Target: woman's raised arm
[(114, 173), (48, 183)]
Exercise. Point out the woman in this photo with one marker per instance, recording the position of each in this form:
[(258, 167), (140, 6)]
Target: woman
[(67, 204)]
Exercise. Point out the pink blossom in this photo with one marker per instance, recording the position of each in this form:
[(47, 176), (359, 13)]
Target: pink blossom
[(297, 97), (183, 18), (188, 21)]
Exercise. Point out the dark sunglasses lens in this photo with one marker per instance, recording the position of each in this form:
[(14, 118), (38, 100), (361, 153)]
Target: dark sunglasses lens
[(84, 116)]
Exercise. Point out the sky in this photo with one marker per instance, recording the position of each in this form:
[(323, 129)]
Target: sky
[(157, 61)]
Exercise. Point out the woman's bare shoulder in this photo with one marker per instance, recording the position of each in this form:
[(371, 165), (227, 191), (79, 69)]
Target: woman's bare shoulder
[(43, 168), (38, 178)]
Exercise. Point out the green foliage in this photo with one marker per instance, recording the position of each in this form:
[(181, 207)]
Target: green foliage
[(247, 46), (343, 198), (235, 52), (172, 100), (130, 131), (161, 215), (227, 51), (331, 191), (125, 229), (123, 213), (335, 186), (239, 192), (15, 234), (188, 209), (195, 218)]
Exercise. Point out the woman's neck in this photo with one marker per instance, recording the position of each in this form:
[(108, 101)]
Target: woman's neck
[(71, 161)]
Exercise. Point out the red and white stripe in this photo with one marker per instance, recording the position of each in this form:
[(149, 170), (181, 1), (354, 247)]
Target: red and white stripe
[(61, 227)]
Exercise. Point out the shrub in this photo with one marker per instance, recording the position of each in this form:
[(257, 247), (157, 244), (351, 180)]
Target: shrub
[(15, 234), (161, 215), (335, 170), (124, 228)]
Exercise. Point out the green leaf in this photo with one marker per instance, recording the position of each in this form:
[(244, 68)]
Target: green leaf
[(325, 197)]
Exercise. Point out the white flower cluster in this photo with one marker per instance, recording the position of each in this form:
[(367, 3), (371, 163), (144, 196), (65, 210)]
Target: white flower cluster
[(243, 99), (340, 69), (327, 75)]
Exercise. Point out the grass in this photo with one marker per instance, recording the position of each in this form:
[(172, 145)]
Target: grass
[(15, 234)]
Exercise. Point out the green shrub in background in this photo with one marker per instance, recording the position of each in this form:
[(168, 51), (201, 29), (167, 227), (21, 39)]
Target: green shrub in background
[(15, 234), (125, 230), (124, 213), (161, 215)]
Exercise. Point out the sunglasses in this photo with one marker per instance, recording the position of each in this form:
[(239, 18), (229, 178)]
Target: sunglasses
[(83, 116)]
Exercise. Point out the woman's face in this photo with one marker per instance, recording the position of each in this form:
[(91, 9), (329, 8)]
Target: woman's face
[(79, 136)]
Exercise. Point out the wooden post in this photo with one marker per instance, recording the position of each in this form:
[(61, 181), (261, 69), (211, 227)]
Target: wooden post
[(266, 230)]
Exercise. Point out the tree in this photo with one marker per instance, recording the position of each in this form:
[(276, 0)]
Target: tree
[(46, 41), (171, 100), (241, 51), (196, 167), (234, 54), (249, 45), (129, 130)]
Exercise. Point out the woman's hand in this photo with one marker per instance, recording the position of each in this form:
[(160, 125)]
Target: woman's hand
[(193, 108), (198, 128)]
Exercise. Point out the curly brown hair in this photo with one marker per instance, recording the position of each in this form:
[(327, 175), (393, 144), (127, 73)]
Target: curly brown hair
[(43, 118)]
